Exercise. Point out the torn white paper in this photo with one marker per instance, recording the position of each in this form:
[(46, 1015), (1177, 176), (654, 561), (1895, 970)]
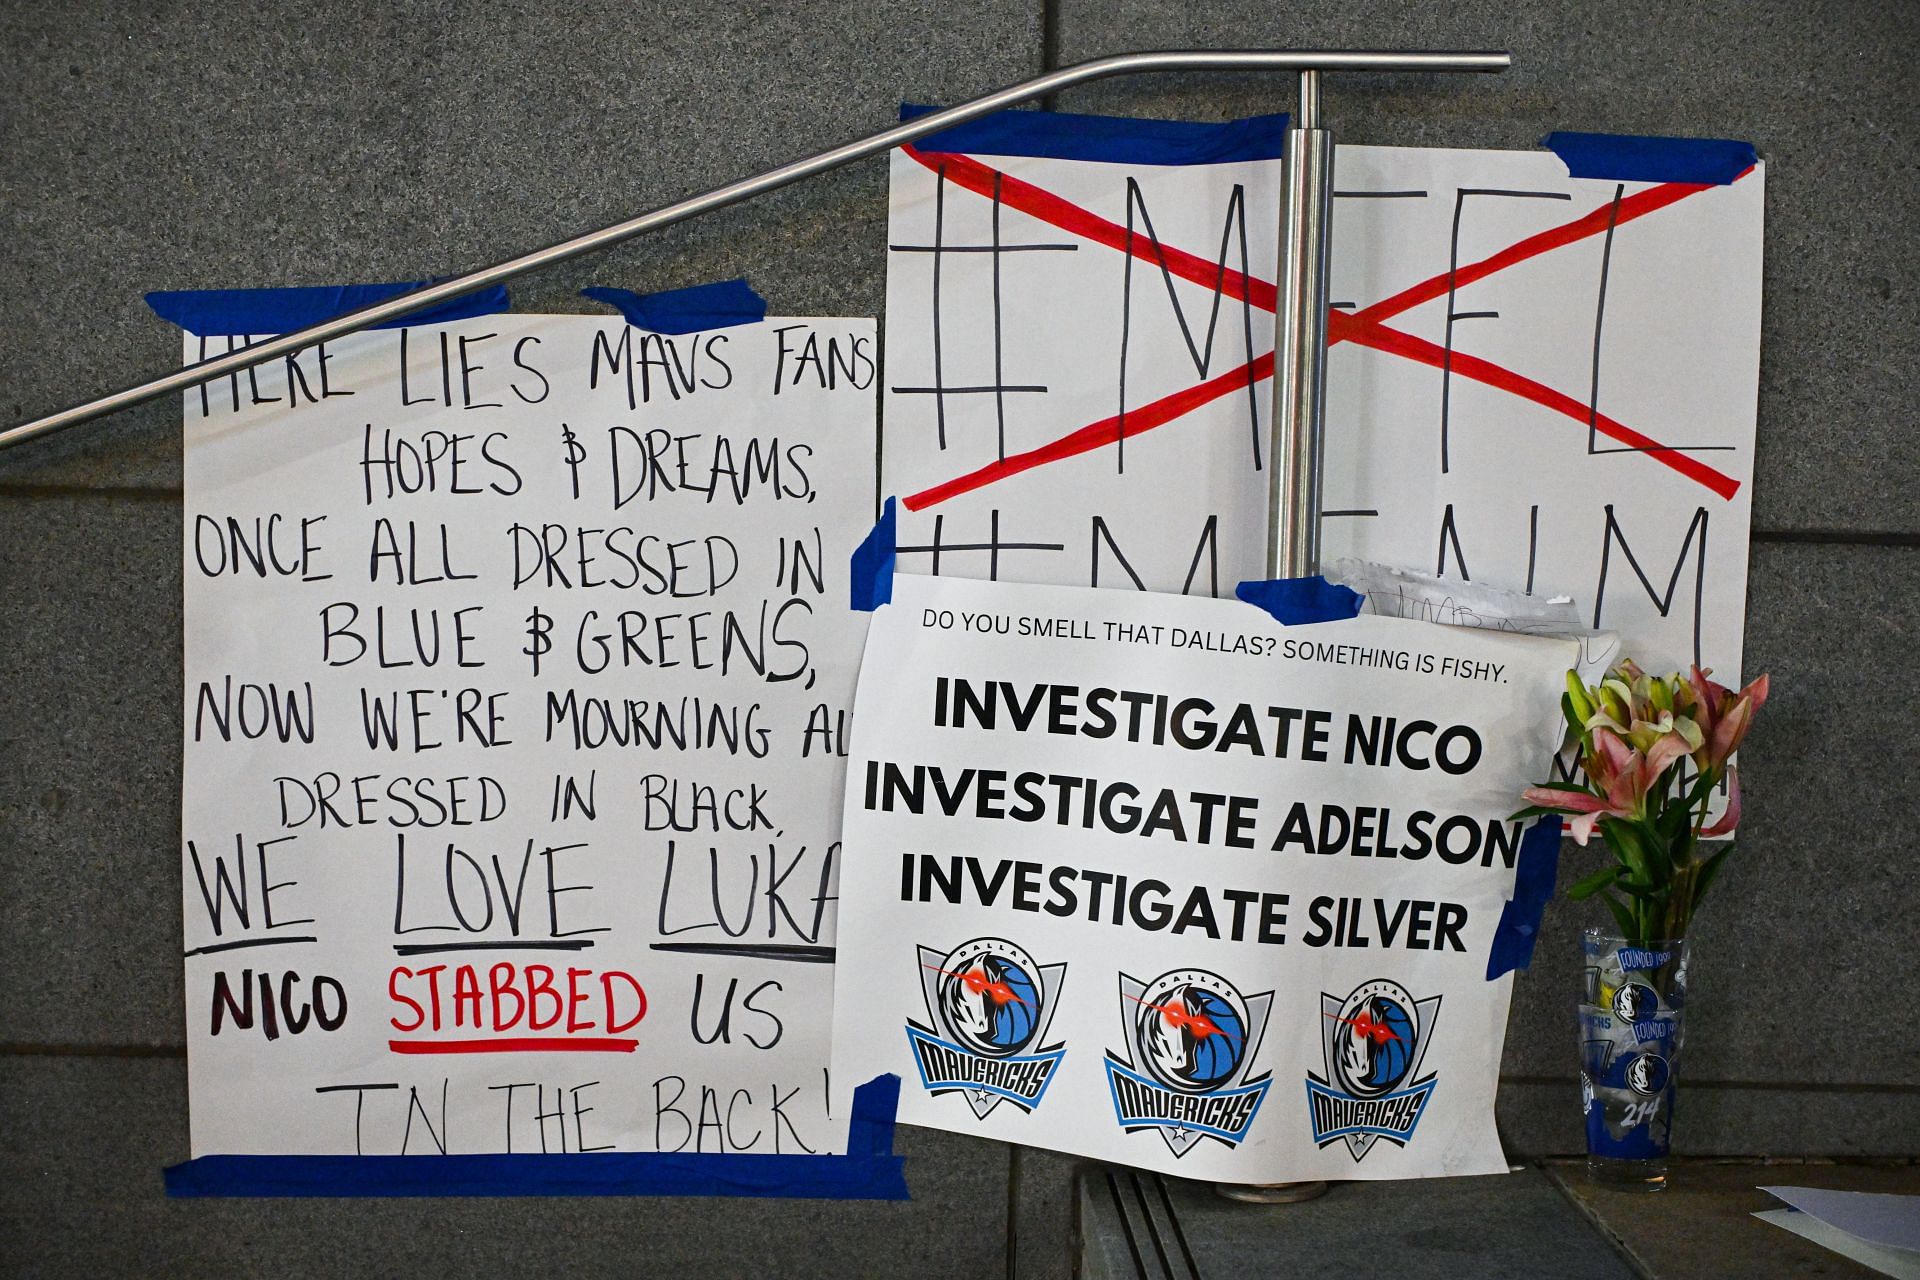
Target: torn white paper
[(1889, 1220)]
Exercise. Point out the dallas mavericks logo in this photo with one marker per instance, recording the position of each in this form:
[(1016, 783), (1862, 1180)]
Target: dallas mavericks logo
[(992, 1003), (1373, 1041), (1195, 1036), (1648, 1074), (1635, 1002)]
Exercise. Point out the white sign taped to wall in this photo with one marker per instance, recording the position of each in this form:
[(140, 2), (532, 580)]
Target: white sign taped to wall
[(1536, 381), (517, 664), (1155, 880)]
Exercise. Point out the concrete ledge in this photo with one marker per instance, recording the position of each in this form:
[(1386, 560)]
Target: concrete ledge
[(1540, 1221), (1702, 1226), (1139, 1226)]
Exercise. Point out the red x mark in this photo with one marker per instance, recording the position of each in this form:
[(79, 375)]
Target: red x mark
[(1365, 327)]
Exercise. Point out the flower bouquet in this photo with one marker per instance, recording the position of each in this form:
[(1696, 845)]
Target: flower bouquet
[(1653, 750)]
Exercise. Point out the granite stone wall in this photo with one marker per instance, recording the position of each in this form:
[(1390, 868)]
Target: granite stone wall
[(155, 146)]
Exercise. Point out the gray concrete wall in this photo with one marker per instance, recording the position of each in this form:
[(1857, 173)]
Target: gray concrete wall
[(285, 143)]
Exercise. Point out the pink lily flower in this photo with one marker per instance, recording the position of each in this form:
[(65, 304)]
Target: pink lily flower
[(1633, 732), (1723, 715), (1670, 747), (1731, 818), (1611, 756), (1586, 810), (1625, 776)]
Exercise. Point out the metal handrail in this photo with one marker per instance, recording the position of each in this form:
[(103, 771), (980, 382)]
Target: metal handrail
[(745, 189)]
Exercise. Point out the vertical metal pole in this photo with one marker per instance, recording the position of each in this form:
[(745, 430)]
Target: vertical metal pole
[(1299, 407), (1300, 342)]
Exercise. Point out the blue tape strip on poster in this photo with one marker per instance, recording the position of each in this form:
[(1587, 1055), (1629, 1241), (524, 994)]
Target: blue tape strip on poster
[(1057, 135), (871, 572), (238, 313), (719, 305), (1619, 157), (1294, 602), (869, 1170), (1537, 868)]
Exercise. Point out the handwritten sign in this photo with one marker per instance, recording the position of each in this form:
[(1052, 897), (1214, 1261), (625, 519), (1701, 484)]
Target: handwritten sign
[(1155, 880), (517, 675), (1538, 382)]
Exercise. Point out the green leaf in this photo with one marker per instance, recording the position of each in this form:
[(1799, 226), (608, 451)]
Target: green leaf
[(1590, 885), (1702, 784), (1623, 917), (1708, 869), (1674, 821), (1659, 856), (1645, 892), (1624, 839)]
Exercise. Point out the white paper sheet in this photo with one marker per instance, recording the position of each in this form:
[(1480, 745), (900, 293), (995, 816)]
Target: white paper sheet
[(1898, 1263), (591, 585), (1255, 956), (1574, 415), (1888, 1220)]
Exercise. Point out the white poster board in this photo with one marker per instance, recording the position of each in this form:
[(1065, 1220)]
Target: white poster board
[(1538, 382), (517, 670), (1155, 880)]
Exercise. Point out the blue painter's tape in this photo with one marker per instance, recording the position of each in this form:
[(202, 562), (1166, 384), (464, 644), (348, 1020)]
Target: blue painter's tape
[(1619, 157), (870, 1135), (869, 1170), (1296, 601), (1113, 139), (243, 312), (719, 305), (1535, 871), (872, 568)]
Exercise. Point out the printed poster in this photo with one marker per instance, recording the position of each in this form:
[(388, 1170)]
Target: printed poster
[(1152, 879)]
